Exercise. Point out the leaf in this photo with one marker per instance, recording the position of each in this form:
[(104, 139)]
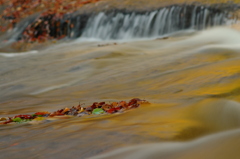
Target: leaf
[(106, 107), (18, 119), (112, 110), (65, 110), (3, 119), (24, 116), (89, 109), (114, 104), (123, 104), (118, 108), (39, 119), (98, 111), (102, 103), (41, 114), (81, 110), (99, 108), (94, 105)]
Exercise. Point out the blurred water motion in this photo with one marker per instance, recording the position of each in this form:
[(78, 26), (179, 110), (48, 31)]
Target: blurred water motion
[(222, 146), (121, 24), (193, 79)]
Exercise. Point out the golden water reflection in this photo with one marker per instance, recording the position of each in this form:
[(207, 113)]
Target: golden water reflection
[(192, 82)]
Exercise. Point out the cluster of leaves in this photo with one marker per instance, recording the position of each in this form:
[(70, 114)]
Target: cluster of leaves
[(51, 24), (95, 108), (15, 10)]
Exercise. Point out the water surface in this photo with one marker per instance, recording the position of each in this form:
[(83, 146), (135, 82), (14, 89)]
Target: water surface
[(191, 79)]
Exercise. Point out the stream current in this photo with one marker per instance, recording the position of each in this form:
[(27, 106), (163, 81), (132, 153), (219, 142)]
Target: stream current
[(191, 78)]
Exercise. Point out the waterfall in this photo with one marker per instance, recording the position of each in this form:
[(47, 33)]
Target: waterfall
[(125, 25), (132, 25)]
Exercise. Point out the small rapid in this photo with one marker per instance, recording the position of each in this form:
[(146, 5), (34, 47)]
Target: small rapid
[(132, 25), (123, 24)]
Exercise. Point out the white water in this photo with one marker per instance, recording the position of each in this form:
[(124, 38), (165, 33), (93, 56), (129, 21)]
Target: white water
[(127, 26), (151, 24)]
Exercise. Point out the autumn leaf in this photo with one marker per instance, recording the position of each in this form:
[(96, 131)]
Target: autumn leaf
[(96, 109)]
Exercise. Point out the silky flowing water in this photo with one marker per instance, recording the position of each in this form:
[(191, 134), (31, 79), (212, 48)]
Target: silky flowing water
[(191, 78)]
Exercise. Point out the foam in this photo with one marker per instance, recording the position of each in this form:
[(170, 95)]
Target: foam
[(19, 54)]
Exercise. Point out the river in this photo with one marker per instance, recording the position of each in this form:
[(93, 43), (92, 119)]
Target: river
[(191, 78)]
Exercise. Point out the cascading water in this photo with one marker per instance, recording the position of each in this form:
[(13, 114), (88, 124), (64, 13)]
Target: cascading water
[(127, 25), (130, 25)]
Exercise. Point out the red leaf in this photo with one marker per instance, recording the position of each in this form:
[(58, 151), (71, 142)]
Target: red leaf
[(112, 110)]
